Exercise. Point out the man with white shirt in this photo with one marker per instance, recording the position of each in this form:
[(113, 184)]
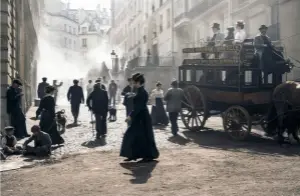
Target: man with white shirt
[(240, 34)]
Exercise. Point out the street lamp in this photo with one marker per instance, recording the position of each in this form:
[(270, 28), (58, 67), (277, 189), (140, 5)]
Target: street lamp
[(113, 57)]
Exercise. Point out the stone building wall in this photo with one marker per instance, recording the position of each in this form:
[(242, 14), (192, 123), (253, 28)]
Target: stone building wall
[(8, 52)]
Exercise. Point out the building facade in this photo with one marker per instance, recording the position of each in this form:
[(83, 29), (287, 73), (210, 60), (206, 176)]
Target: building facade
[(19, 48), (142, 34), (62, 34)]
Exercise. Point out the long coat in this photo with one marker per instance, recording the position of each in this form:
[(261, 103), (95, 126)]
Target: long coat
[(41, 89), (97, 101), (138, 141), (48, 122), (14, 110)]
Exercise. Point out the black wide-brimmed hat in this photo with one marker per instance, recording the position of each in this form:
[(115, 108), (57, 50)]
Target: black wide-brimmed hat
[(216, 25), (75, 81), (263, 27), (49, 89), (44, 78), (230, 28), (18, 82)]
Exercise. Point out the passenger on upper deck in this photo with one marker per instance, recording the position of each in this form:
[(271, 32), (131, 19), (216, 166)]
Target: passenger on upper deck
[(216, 40), (230, 36), (240, 34)]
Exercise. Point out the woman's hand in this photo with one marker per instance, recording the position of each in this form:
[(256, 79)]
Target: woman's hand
[(128, 119)]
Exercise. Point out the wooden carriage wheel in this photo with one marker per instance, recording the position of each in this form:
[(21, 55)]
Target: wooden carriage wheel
[(194, 112), (237, 122)]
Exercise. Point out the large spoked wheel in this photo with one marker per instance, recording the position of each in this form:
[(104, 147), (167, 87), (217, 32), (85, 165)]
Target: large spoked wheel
[(194, 112), (237, 122)]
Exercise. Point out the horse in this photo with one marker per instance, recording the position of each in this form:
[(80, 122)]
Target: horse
[(284, 112)]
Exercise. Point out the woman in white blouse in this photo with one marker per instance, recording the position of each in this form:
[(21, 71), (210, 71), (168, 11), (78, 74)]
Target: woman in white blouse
[(240, 34), (158, 112)]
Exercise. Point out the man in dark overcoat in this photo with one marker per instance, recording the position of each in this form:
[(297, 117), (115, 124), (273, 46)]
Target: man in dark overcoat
[(41, 88), (14, 110), (76, 97), (97, 102)]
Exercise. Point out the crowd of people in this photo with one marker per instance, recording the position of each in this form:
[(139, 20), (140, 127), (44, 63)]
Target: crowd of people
[(138, 141)]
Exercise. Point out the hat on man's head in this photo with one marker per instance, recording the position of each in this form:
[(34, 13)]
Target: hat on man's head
[(9, 128), (216, 25), (129, 79), (75, 81), (174, 83), (240, 23), (263, 27), (230, 28), (18, 82)]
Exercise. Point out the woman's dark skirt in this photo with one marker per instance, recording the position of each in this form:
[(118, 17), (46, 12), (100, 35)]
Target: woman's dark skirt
[(138, 141), (158, 113), (48, 125)]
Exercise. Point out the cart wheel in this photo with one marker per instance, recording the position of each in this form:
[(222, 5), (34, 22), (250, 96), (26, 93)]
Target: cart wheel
[(237, 122), (194, 109)]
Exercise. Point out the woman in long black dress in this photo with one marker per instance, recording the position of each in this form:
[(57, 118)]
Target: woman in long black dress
[(47, 111), (158, 112), (138, 141)]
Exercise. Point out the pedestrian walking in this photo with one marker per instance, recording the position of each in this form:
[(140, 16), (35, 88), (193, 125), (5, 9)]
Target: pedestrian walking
[(56, 86), (112, 88), (89, 88), (97, 102), (76, 97), (41, 88), (158, 112), (138, 141), (173, 98), (128, 93), (14, 110)]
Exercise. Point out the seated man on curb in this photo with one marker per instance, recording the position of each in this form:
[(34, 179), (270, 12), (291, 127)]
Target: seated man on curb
[(42, 143), (9, 142)]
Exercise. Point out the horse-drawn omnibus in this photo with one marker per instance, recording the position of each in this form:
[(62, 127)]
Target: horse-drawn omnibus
[(234, 86)]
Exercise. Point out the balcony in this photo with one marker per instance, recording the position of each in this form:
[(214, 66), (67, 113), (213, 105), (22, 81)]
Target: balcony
[(202, 7), (181, 20)]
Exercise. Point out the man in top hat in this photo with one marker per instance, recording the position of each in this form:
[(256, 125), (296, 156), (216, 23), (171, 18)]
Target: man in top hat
[(56, 86), (263, 45), (218, 37), (41, 88), (216, 40), (75, 96), (17, 118), (240, 34)]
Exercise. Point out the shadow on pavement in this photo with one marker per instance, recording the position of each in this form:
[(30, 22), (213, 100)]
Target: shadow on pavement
[(70, 126), (255, 143), (179, 140), (140, 171), (94, 143)]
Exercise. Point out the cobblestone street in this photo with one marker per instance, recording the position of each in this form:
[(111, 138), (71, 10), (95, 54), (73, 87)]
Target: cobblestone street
[(81, 139)]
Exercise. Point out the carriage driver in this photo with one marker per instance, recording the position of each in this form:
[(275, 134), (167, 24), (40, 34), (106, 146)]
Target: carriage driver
[(263, 45)]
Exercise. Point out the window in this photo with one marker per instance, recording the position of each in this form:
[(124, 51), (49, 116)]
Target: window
[(74, 31), (161, 2), (70, 43), (199, 74), (65, 28), (84, 30), (168, 18), (188, 76), (70, 29), (74, 44), (84, 42), (66, 42), (161, 23)]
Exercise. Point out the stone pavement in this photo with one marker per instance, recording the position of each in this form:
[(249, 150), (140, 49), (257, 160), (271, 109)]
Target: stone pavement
[(81, 139)]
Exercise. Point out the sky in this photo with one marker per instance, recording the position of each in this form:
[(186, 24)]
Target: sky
[(88, 4)]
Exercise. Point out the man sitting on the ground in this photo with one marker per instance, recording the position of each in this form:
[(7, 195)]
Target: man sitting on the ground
[(42, 143), (9, 142)]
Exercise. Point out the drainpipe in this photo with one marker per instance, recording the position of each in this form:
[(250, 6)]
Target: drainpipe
[(173, 33)]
